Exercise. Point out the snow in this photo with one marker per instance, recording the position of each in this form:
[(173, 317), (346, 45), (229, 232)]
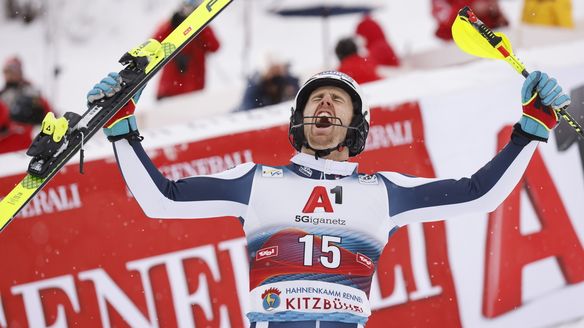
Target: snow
[(85, 39)]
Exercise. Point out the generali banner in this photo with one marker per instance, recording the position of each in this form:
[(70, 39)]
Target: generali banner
[(82, 253)]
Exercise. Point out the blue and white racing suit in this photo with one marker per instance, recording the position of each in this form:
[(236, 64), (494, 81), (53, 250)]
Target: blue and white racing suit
[(316, 228)]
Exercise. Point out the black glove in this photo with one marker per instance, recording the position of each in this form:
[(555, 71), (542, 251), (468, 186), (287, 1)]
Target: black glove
[(28, 110)]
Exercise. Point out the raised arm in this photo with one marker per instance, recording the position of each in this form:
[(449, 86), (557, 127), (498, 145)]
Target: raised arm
[(419, 200), (223, 194)]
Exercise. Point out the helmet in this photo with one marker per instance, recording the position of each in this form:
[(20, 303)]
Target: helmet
[(356, 131)]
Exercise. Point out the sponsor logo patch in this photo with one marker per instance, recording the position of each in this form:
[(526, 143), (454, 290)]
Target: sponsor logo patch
[(271, 172), (368, 179), (365, 260), (305, 170), (267, 252), (271, 299), (188, 30)]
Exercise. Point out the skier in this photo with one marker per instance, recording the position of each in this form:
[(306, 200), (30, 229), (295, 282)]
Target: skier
[(312, 248)]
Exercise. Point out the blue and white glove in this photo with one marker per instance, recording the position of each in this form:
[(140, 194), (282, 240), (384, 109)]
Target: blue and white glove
[(107, 87), (541, 95), (123, 123)]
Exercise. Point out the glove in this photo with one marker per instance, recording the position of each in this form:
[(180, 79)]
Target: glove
[(123, 123), (541, 96), (144, 57), (106, 88)]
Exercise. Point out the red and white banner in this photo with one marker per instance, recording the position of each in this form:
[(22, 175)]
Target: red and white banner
[(83, 254)]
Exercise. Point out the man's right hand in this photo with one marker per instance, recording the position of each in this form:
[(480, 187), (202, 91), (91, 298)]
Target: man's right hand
[(107, 87), (123, 123)]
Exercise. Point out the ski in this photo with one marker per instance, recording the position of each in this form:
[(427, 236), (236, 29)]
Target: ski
[(72, 131)]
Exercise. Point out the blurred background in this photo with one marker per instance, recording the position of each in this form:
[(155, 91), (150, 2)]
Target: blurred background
[(66, 46), (74, 252)]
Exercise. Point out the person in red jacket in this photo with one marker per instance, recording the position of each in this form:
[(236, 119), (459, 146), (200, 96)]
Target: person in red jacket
[(186, 72), (445, 11), (13, 137), (25, 103), (376, 42), (362, 69), (21, 108)]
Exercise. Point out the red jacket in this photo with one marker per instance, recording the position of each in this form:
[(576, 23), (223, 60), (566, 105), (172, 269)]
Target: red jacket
[(445, 12), (13, 136), (360, 69), (376, 43), (192, 59)]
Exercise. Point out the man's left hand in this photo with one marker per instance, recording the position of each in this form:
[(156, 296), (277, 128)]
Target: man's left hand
[(541, 96)]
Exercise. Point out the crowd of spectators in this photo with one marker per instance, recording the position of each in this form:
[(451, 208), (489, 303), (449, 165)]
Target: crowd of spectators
[(360, 55)]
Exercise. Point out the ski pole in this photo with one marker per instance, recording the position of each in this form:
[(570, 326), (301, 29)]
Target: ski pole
[(472, 36)]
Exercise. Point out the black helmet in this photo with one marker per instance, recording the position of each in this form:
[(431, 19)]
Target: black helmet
[(356, 131)]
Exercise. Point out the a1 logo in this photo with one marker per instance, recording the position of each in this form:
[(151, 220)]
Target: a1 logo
[(319, 198)]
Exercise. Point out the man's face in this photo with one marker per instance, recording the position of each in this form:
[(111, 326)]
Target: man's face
[(326, 102), (12, 74)]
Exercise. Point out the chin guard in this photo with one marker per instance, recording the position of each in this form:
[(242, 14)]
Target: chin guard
[(357, 129)]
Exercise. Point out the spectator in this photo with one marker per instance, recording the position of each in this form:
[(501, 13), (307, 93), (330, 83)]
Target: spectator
[(445, 11), (272, 86), (186, 72), (13, 137), (28, 11), (376, 43), (362, 69), (24, 101), (551, 13)]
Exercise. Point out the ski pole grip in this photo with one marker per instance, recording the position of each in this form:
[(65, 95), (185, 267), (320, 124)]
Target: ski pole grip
[(564, 114)]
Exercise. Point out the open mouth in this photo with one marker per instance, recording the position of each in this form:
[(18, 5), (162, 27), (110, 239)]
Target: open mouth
[(323, 122), (323, 119)]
